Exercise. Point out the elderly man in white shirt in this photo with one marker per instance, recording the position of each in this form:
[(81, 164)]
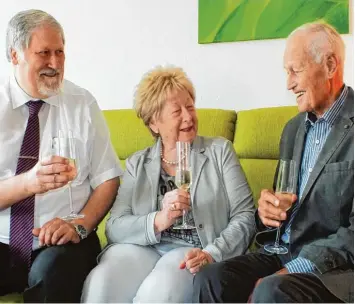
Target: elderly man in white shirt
[(42, 254)]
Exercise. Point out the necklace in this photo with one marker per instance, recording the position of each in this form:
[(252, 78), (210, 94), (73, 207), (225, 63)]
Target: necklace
[(168, 161)]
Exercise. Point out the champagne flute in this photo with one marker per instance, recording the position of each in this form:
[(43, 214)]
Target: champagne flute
[(285, 188), (183, 177), (65, 146)]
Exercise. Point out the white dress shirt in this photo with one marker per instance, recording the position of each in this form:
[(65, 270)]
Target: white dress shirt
[(73, 109)]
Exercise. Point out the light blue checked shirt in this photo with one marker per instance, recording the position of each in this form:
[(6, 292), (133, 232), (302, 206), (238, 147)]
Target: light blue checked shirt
[(317, 133)]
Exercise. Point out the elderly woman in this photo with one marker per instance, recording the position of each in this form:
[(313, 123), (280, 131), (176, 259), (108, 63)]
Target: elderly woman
[(148, 260)]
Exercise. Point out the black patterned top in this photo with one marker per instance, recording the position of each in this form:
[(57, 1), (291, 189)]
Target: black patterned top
[(183, 237)]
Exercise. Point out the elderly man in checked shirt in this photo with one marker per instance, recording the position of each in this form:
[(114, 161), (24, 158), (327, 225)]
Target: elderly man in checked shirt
[(319, 228)]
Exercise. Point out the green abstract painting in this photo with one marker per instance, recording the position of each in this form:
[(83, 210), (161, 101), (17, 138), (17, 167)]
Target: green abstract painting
[(239, 20)]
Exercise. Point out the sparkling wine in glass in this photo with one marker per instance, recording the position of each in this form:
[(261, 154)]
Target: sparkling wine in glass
[(285, 188), (64, 145), (183, 178)]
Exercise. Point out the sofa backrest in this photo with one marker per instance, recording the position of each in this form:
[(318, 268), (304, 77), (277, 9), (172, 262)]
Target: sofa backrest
[(256, 142), (129, 134), (255, 135)]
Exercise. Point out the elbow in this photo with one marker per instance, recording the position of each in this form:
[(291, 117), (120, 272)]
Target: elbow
[(112, 231)]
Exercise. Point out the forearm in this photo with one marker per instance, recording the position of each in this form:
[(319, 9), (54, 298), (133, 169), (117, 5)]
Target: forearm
[(159, 222), (131, 229), (13, 190), (234, 240), (99, 204)]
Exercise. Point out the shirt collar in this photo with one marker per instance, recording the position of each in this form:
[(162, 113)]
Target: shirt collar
[(331, 114), (19, 97)]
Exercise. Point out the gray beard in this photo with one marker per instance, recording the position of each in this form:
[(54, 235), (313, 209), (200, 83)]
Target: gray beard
[(50, 90)]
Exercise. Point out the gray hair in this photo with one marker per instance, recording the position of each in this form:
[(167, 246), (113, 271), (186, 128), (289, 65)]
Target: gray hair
[(325, 40), (21, 27)]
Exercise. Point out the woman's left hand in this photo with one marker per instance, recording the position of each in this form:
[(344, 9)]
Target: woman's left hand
[(195, 259)]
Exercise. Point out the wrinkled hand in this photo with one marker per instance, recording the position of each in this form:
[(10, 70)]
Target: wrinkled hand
[(50, 173), (195, 259), (280, 272), (272, 207), (56, 232), (174, 202)]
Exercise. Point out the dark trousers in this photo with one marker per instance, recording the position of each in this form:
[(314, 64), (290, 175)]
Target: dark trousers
[(233, 280), (57, 273)]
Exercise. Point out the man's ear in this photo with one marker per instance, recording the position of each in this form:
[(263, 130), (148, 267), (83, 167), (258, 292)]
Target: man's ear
[(332, 65), (14, 57)]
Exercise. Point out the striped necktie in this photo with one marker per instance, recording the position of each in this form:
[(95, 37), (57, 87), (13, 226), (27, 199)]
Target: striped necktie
[(22, 213)]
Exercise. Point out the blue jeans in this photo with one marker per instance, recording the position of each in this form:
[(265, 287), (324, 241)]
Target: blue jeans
[(145, 274)]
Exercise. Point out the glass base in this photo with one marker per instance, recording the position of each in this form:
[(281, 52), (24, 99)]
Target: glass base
[(272, 248), (184, 227), (72, 216)]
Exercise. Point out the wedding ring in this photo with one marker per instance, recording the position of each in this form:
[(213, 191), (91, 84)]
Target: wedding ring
[(172, 207)]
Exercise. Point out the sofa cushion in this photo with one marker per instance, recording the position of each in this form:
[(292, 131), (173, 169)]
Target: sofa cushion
[(12, 298), (259, 173), (258, 131), (129, 134), (216, 122), (101, 231)]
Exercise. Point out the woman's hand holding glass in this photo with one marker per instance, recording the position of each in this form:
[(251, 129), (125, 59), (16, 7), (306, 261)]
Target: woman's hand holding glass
[(50, 173), (174, 202)]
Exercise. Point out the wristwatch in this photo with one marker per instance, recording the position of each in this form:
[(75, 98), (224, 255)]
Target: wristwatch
[(81, 231)]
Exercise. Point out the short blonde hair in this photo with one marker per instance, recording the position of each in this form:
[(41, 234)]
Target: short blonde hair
[(154, 88)]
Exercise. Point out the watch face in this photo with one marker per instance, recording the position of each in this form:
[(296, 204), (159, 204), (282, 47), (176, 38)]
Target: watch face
[(81, 231)]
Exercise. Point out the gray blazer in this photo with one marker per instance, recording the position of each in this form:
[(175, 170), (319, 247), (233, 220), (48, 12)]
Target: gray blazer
[(323, 229), (221, 199)]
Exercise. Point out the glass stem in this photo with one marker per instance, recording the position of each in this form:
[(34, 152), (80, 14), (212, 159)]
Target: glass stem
[(184, 215), (70, 200), (277, 241)]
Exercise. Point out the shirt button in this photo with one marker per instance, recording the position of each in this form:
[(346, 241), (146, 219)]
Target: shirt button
[(310, 170), (200, 226), (317, 142)]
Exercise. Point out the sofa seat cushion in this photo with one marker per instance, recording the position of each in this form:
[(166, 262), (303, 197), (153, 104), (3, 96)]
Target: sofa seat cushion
[(12, 298)]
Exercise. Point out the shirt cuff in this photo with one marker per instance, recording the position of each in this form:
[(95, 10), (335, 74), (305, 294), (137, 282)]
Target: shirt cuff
[(214, 252), (105, 176), (300, 265), (151, 236)]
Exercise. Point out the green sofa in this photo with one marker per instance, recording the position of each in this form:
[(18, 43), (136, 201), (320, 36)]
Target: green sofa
[(255, 135)]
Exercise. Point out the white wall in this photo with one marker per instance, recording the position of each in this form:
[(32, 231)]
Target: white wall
[(111, 43)]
